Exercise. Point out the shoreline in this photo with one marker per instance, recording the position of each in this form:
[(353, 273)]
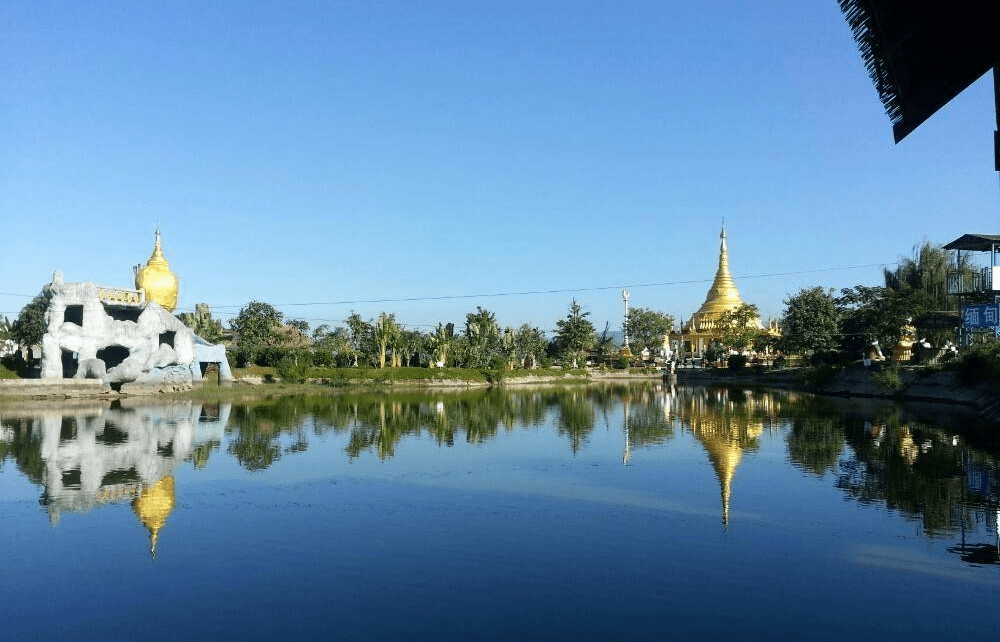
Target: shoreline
[(913, 384)]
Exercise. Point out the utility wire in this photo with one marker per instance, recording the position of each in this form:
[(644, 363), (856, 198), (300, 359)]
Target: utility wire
[(452, 297)]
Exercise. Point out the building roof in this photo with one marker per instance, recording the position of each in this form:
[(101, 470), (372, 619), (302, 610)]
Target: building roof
[(921, 54), (974, 242)]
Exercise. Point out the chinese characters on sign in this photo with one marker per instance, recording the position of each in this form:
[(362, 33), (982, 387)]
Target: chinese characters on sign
[(985, 315)]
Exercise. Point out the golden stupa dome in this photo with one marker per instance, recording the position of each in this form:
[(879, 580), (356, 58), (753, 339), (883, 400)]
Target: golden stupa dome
[(156, 279), (722, 296), (153, 507)]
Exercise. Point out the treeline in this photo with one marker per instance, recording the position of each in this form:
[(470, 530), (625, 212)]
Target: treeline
[(262, 336), (827, 325)]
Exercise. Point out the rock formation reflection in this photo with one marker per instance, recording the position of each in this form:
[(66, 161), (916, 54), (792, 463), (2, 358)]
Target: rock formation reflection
[(91, 454)]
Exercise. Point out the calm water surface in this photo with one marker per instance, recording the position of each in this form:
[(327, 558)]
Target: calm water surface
[(605, 513)]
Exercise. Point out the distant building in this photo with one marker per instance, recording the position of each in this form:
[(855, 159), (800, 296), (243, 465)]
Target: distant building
[(704, 326)]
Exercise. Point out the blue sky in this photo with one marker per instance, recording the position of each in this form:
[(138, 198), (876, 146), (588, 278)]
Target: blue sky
[(347, 152)]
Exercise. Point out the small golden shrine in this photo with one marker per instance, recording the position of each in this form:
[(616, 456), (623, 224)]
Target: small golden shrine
[(902, 352), (156, 279)]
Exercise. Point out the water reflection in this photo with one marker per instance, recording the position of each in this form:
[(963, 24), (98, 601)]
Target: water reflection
[(90, 454)]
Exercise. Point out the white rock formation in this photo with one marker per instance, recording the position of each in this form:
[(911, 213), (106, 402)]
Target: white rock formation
[(118, 337)]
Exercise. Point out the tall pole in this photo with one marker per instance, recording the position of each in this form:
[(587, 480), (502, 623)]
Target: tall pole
[(625, 295)]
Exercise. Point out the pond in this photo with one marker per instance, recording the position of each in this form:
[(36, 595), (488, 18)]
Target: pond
[(626, 512)]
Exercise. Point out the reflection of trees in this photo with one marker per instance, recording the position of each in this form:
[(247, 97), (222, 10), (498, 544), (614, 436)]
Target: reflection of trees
[(23, 445), (816, 438), (576, 418), (911, 468)]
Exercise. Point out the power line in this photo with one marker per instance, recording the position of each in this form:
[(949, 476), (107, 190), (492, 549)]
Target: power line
[(452, 297), (447, 297)]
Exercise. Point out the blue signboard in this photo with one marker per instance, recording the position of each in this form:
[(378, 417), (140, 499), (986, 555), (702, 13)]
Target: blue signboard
[(984, 315)]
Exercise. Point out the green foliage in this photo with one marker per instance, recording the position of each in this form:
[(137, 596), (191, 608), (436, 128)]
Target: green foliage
[(256, 328), (385, 333), (818, 376), (202, 323), (7, 373), (739, 327), (575, 335), (869, 314), (646, 328), (888, 379), (736, 361), (362, 338), (30, 326), (604, 345), (811, 322), (979, 365), (922, 280), (713, 353), (482, 339), (440, 341), (293, 367), (916, 288), (529, 344)]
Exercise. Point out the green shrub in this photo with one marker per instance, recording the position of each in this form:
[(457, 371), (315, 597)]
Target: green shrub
[(817, 376), (736, 361), (711, 356), (979, 364), (294, 366), (888, 379)]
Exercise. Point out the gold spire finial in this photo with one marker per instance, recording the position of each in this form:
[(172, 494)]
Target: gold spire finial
[(153, 507), (156, 279)]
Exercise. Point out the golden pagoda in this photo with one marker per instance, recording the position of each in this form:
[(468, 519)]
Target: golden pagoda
[(156, 279), (153, 507), (723, 297)]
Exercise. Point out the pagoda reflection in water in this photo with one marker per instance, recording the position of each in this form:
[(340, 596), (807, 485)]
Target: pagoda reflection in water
[(727, 423), (95, 454)]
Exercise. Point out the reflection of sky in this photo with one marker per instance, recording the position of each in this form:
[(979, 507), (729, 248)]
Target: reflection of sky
[(439, 538)]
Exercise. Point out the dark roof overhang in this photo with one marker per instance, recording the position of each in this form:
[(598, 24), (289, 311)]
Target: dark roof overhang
[(921, 54), (975, 242)]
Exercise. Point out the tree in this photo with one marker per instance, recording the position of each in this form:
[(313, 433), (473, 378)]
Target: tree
[(739, 327), (918, 289), (30, 326), (256, 328), (202, 323), (300, 325), (440, 341), (529, 345), (574, 335), (923, 279), (646, 328), (869, 314), (604, 344), (482, 338), (362, 341), (386, 330), (811, 322)]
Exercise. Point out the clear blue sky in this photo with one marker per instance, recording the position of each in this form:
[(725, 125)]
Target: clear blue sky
[(299, 152)]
